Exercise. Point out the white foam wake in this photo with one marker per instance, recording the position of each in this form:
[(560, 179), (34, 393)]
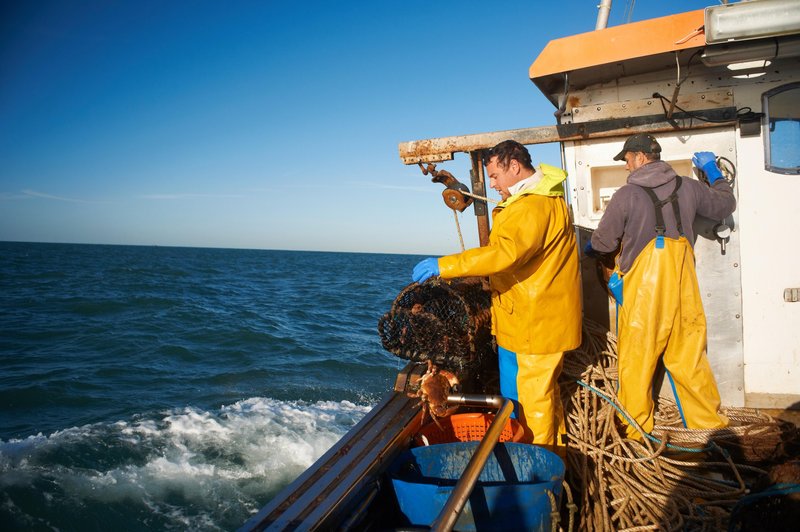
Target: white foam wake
[(190, 467)]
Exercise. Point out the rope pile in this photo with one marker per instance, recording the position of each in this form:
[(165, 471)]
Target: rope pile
[(676, 478)]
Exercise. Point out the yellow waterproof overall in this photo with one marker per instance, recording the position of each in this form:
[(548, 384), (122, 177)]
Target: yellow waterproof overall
[(662, 313), (532, 263), (531, 380)]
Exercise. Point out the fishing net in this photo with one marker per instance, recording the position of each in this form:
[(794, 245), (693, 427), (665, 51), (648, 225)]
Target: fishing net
[(445, 321)]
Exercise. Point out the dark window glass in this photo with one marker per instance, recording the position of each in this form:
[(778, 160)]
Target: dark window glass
[(782, 141)]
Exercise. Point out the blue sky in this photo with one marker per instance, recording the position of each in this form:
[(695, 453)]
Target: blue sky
[(268, 125)]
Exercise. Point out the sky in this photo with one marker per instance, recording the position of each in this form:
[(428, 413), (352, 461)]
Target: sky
[(263, 124)]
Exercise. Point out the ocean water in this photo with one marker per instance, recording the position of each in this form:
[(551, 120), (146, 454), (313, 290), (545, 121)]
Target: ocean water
[(158, 388)]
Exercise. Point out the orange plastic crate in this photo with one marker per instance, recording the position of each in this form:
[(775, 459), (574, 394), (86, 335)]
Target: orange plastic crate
[(465, 427)]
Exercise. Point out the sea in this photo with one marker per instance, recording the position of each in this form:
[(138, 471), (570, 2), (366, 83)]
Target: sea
[(167, 388)]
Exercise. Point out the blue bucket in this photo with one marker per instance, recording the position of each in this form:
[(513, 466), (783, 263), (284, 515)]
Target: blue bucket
[(511, 492)]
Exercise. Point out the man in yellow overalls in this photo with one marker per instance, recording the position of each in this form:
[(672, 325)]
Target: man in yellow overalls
[(532, 264), (660, 310)]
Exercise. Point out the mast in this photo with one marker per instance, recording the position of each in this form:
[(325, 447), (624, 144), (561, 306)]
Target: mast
[(602, 14)]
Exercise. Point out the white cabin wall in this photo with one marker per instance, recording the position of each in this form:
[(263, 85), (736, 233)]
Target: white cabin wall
[(754, 336), (770, 254)]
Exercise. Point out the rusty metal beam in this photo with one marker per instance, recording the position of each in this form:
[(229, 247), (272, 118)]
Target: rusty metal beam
[(443, 148), (479, 188)]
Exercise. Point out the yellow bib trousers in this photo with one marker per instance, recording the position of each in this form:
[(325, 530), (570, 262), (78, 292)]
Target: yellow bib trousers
[(532, 381), (662, 314)]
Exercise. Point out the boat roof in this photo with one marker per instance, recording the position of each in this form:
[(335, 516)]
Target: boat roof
[(604, 55)]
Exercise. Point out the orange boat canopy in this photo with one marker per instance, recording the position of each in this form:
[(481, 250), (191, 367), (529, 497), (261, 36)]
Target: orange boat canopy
[(603, 55)]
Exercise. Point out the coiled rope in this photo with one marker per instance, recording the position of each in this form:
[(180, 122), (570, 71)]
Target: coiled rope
[(675, 478)]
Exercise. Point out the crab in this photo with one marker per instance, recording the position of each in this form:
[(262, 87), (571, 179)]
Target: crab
[(432, 388)]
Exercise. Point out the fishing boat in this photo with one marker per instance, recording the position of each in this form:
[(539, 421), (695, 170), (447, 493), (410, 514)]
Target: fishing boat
[(724, 79)]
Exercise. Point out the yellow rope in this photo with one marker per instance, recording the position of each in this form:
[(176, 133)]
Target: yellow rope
[(458, 229), (455, 214), (483, 198)]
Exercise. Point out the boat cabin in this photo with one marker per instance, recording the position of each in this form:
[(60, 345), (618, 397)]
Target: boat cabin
[(725, 79)]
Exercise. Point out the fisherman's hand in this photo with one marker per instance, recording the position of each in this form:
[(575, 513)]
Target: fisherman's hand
[(707, 162), (425, 269), (589, 251)]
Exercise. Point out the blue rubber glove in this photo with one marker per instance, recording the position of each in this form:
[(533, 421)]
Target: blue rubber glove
[(707, 162), (589, 251), (425, 269)]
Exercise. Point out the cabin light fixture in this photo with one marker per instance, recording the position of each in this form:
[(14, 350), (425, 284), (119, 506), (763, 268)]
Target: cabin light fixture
[(747, 65), (751, 20), (763, 51), (759, 64)]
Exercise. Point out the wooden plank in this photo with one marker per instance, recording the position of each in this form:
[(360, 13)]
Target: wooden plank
[(687, 102), (443, 148)]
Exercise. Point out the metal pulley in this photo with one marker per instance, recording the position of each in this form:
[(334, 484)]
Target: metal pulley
[(455, 199), (453, 194)]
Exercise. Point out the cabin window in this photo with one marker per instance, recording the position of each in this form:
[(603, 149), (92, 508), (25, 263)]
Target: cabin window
[(782, 116)]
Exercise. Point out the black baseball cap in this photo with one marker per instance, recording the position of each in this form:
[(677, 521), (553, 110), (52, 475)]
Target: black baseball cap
[(640, 142)]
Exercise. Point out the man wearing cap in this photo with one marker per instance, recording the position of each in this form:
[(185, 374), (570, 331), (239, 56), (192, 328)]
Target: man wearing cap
[(660, 312), (533, 268)]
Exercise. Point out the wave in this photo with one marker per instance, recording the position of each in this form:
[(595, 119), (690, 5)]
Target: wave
[(183, 468)]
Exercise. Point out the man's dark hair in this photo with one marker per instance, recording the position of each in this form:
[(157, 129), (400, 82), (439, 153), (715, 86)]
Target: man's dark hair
[(653, 156), (508, 150)]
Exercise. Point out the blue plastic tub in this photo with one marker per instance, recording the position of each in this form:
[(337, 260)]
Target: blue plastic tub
[(511, 493)]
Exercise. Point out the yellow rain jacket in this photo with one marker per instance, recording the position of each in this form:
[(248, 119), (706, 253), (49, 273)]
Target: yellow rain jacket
[(532, 264)]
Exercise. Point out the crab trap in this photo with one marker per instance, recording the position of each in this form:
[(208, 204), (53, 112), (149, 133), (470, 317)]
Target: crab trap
[(446, 322)]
